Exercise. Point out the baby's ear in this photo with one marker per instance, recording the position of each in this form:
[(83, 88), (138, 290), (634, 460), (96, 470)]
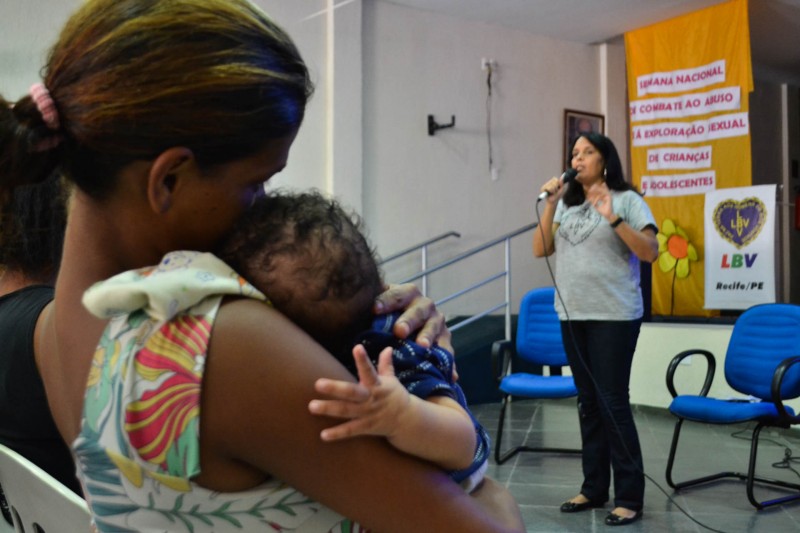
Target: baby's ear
[(171, 166)]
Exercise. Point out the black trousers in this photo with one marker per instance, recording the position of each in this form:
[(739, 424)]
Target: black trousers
[(600, 354)]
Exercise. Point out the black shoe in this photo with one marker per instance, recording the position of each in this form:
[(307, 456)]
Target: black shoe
[(616, 520), (572, 507)]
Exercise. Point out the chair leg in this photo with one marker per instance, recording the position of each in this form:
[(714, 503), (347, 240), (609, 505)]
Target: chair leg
[(671, 459), (501, 458), (751, 469), (690, 482), (750, 478)]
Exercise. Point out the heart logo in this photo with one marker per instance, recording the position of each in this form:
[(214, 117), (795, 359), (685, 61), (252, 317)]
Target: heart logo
[(578, 224), (739, 223)]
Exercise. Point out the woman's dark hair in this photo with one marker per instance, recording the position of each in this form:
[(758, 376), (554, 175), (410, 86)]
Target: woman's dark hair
[(614, 177), (131, 78), (32, 227)]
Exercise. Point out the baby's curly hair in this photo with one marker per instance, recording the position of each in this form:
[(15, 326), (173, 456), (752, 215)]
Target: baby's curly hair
[(309, 255)]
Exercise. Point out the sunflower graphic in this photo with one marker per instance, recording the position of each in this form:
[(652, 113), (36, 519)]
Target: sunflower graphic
[(675, 253)]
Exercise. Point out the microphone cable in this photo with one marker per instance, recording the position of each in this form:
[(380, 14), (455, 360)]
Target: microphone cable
[(600, 397)]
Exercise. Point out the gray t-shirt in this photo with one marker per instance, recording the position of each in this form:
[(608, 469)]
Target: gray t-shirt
[(596, 273)]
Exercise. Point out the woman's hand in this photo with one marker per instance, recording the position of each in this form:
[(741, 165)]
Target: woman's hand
[(373, 406), (554, 187), (418, 312), (543, 244), (600, 198), (642, 243)]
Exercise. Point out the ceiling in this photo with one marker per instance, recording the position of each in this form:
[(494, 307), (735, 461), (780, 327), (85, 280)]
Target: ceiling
[(774, 24)]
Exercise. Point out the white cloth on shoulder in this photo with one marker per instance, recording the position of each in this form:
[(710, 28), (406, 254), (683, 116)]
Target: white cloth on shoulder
[(198, 274)]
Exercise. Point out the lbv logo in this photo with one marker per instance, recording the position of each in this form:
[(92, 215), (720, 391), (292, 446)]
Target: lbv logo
[(740, 222), (738, 260)]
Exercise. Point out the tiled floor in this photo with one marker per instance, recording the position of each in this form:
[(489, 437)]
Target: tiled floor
[(542, 481)]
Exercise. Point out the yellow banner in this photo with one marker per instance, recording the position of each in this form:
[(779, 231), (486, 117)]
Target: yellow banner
[(689, 80)]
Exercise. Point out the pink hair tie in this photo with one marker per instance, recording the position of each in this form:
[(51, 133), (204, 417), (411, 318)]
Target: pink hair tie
[(45, 105), (47, 108)]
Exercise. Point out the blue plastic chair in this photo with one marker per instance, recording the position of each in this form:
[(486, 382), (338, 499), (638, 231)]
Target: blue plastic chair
[(764, 346), (539, 342)]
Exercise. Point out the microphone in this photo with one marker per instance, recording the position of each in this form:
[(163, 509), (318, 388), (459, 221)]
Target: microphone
[(566, 177)]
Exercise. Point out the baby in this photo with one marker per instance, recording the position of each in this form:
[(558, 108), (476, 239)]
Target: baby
[(311, 260), (307, 257)]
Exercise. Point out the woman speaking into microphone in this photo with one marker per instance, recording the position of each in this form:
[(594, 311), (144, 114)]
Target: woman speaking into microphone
[(602, 228)]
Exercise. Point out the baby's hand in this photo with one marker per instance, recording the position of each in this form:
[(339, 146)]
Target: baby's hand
[(373, 406)]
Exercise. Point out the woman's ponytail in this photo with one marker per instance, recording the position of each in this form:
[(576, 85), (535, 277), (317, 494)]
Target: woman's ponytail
[(29, 139)]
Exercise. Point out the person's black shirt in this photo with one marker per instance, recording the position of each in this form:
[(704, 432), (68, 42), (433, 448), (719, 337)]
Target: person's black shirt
[(26, 425)]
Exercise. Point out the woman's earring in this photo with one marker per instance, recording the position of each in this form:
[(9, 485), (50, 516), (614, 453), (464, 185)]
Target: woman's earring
[(605, 173)]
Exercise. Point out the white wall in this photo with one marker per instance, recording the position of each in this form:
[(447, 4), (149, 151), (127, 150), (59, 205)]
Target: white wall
[(327, 153), (659, 343), (306, 22), (613, 94), (28, 29), (416, 186)]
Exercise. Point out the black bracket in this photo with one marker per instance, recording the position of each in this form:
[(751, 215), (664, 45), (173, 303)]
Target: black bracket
[(433, 126)]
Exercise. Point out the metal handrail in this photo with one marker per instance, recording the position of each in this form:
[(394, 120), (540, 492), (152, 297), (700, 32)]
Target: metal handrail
[(469, 253), (505, 273), (420, 245), (423, 247)]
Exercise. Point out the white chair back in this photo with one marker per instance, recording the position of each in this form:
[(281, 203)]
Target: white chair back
[(36, 500)]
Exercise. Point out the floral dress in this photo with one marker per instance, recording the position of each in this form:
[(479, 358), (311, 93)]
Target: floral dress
[(138, 448)]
